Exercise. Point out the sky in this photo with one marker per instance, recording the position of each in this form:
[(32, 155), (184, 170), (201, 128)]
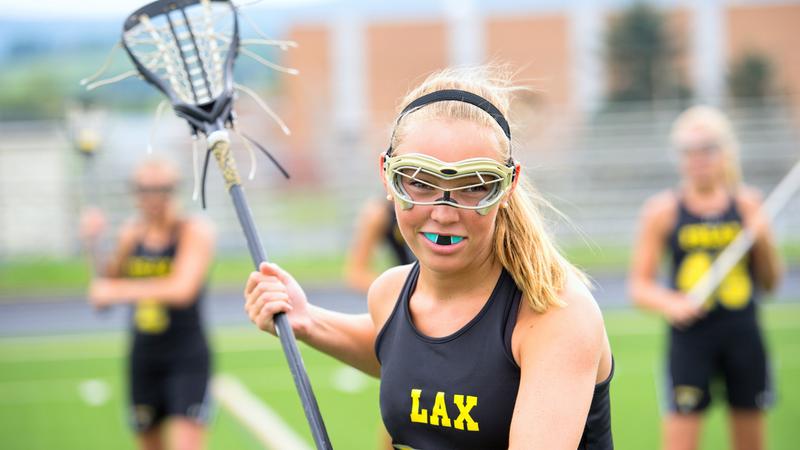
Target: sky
[(90, 9)]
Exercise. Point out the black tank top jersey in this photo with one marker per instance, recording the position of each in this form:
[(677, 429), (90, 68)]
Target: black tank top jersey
[(396, 242), (694, 244), (458, 391), (162, 332)]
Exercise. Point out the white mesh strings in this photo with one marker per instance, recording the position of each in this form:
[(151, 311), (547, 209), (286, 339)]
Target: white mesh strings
[(265, 40), (195, 169), (90, 82), (159, 111), (186, 49), (264, 106), (252, 153)]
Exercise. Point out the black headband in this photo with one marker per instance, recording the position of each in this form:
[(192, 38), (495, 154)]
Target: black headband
[(458, 96)]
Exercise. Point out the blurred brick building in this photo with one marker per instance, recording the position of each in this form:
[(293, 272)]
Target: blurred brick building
[(354, 67)]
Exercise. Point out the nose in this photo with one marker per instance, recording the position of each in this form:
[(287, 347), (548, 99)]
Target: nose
[(444, 214)]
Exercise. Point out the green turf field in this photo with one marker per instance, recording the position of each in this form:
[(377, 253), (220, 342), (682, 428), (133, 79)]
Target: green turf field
[(41, 405), (21, 278)]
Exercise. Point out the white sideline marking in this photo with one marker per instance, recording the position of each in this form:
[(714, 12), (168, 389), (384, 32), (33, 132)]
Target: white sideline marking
[(94, 392), (349, 380), (268, 428)]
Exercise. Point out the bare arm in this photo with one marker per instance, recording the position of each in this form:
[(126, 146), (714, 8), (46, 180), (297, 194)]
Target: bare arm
[(560, 354), (657, 218), (92, 225), (767, 266), (358, 269), (180, 287), (349, 338), (113, 266)]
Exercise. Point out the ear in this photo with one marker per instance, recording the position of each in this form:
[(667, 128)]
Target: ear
[(382, 170), (517, 173)]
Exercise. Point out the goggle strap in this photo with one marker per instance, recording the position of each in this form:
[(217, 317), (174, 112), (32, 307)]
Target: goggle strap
[(456, 95), (460, 96)]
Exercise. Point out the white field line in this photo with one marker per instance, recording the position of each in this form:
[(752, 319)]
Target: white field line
[(67, 390), (91, 392), (267, 427)]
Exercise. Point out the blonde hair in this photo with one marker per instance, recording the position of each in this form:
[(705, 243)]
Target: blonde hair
[(159, 164), (522, 243), (719, 126)]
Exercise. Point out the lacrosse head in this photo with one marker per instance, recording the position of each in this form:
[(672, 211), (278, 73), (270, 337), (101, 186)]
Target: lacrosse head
[(475, 183), (186, 49)]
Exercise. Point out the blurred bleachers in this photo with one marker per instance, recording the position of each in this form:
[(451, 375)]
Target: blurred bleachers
[(597, 170)]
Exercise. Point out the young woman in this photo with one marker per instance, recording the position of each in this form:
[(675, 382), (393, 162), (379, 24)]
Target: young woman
[(492, 339), (693, 223), (160, 266)]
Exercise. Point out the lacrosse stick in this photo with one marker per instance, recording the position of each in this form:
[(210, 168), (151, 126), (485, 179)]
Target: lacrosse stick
[(83, 129), (186, 49), (734, 252)]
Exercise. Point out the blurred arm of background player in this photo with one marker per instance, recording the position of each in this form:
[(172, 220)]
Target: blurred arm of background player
[(766, 262), (187, 275), (656, 220), (372, 221), (92, 228)]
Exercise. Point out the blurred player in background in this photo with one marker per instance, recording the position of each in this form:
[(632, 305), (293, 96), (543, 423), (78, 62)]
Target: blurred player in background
[(691, 224), (159, 266), (377, 225)]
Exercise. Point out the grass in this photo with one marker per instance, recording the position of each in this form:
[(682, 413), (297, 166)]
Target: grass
[(40, 378), (68, 277)]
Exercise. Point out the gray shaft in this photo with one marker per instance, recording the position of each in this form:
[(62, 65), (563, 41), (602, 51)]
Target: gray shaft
[(282, 326)]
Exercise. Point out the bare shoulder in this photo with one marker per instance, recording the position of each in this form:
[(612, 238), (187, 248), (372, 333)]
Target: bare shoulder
[(198, 227), (374, 213), (576, 326), (659, 212), (129, 231), (661, 205), (384, 292)]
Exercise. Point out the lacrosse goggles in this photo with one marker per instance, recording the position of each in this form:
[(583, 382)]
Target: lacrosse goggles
[(475, 183)]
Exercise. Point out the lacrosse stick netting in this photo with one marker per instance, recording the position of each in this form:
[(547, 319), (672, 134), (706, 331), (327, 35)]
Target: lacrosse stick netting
[(187, 49)]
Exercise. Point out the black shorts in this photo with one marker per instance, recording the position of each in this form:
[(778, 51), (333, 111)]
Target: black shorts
[(734, 355), (173, 388)]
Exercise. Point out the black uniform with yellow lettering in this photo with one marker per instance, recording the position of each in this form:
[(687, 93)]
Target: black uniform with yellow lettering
[(458, 391), (169, 361), (727, 341)]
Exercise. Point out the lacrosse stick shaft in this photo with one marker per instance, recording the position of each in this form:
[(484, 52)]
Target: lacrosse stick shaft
[(737, 249), (89, 179), (220, 147)]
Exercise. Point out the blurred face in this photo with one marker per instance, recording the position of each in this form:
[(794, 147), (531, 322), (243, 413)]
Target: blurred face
[(445, 238), (153, 186), (702, 161)]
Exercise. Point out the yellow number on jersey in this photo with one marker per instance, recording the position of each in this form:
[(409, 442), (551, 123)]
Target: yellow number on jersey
[(733, 293), (151, 317)]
